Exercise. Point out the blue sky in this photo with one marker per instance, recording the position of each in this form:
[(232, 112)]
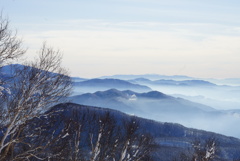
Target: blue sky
[(174, 37)]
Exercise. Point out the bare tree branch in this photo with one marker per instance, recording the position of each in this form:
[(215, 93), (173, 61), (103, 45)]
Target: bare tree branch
[(34, 88), (10, 45)]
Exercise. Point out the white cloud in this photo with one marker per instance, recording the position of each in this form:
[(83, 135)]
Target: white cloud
[(149, 47)]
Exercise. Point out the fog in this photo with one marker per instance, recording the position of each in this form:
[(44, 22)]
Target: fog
[(221, 97), (165, 108)]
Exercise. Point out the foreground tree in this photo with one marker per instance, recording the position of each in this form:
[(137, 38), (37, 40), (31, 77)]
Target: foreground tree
[(125, 143), (29, 91), (206, 150), (10, 45), (88, 135)]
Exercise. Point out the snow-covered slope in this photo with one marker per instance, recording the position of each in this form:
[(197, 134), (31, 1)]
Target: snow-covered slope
[(171, 139)]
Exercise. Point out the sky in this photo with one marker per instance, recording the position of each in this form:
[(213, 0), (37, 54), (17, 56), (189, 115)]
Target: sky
[(198, 38)]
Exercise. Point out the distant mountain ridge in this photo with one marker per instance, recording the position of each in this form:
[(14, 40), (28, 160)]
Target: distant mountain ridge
[(154, 105), (223, 81), (94, 85), (161, 107), (215, 95), (171, 82), (149, 76), (114, 94), (9, 70)]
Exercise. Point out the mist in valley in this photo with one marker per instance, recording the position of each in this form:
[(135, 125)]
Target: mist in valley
[(196, 104)]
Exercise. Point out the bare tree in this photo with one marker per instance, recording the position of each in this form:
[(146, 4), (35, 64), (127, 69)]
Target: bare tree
[(31, 89), (206, 151), (114, 141), (136, 145), (10, 45), (10, 48), (104, 145), (34, 89), (202, 150), (91, 136)]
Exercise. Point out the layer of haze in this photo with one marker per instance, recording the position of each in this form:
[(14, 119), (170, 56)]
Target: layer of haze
[(195, 38)]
